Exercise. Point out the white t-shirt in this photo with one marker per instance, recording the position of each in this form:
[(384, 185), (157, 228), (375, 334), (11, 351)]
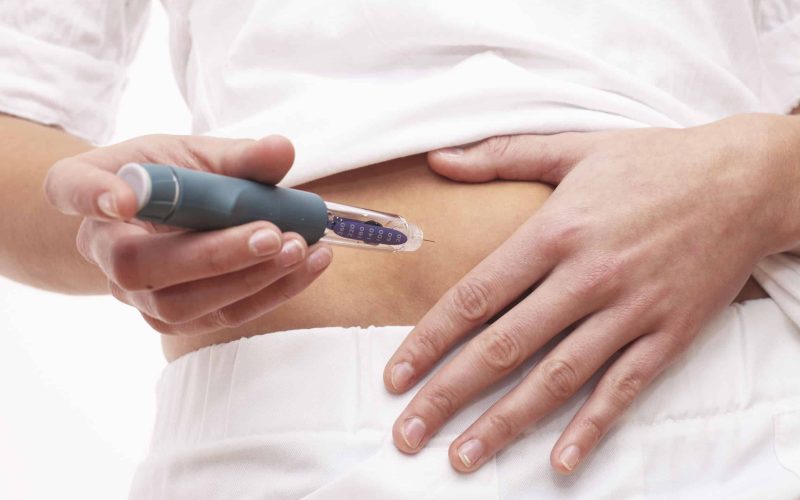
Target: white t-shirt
[(355, 82)]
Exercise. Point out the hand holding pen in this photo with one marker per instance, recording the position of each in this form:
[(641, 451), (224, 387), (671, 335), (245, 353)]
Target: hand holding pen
[(186, 282)]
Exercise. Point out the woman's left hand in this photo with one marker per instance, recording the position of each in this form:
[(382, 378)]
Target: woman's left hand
[(649, 234)]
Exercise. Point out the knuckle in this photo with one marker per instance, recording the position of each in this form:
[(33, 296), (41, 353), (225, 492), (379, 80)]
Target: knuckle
[(503, 426), (443, 401), (547, 150), (429, 344), (286, 290), (670, 343), (499, 145), (598, 277), (221, 318), (217, 258), (561, 232), (559, 378), (591, 427), (499, 350), (256, 278), (123, 258), (117, 292), (471, 301), (624, 389), (191, 149), (163, 307), (642, 303)]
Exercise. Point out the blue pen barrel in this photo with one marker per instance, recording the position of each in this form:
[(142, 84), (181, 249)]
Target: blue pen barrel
[(198, 200)]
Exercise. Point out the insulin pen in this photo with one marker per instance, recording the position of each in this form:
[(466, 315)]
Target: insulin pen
[(197, 200)]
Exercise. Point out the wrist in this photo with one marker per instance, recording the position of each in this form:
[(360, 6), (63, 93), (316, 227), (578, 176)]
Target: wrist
[(775, 142)]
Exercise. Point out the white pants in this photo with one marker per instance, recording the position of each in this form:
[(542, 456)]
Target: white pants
[(303, 414)]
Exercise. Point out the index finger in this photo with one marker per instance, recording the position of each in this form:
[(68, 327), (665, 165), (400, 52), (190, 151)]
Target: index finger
[(481, 294), (87, 185)]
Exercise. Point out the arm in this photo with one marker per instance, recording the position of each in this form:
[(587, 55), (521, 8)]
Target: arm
[(38, 243)]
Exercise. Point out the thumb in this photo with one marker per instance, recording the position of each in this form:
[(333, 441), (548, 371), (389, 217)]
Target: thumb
[(77, 187), (87, 184), (545, 158)]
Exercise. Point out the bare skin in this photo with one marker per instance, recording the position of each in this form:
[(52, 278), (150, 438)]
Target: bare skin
[(362, 289), (202, 289), (47, 256), (374, 288), (38, 247)]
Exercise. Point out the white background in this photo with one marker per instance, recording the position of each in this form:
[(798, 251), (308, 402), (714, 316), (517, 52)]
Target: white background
[(78, 374)]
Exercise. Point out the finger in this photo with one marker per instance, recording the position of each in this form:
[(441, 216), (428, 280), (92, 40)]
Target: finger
[(94, 235), (257, 305), (137, 260), (265, 160), (555, 379), (636, 369), (489, 357), (87, 184), (188, 301), (76, 187), (477, 297), (546, 158)]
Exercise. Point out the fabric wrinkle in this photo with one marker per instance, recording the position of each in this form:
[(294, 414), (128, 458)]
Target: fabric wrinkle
[(204, 410), (232, 384)]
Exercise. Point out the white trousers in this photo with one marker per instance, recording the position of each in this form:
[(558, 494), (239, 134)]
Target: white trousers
[(303, 414)]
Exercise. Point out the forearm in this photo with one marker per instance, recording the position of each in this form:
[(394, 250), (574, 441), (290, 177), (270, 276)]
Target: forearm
[(788, 153), (37, 246), (796, 111)]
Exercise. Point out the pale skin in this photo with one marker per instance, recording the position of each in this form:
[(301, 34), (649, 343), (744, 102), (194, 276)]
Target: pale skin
[(193, 284)]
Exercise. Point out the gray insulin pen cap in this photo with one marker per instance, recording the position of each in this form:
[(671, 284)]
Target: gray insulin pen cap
[(198, 200)]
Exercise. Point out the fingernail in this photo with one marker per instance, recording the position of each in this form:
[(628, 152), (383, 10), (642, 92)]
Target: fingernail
[(569, 457), (319, 259), (292, 253), (450, 151), (413, 432), (470, 452), (264, 242), (108, 205), (401, 375)]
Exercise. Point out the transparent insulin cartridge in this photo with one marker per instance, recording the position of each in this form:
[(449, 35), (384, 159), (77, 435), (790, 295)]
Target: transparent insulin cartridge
[(197, 200)]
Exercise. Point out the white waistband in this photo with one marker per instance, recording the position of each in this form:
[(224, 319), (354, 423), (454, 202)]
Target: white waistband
[(305, 414), (330, 379)]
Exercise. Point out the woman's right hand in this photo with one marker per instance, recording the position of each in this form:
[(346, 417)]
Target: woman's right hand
[(185, 282)]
